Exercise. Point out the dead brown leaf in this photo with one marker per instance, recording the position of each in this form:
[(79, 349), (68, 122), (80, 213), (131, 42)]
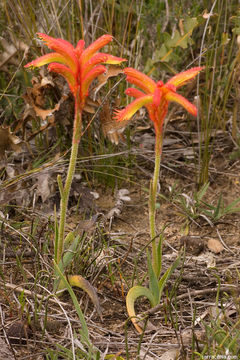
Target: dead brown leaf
[(90, 106), (112, 70), (8, 141), (43, 187), (36, 99), (43, 114), (110, 127)]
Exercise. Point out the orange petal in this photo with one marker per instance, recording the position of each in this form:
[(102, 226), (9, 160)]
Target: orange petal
[(79, 48), (94, 60), (141, 80), (137, 94), (114, 60), (94, 47), (67, 73), (134, 93), (47, 59), (91, 75), (171, 96), (139, 84), (100, 58), (157, 95), (183, 77), (132, 108), (62, 47)]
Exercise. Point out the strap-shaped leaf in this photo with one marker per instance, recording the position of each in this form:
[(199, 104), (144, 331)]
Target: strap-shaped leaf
[(70, 252), (84, 330), (153, 281), (134, 293), (166, 276), (79, 281), (56, 234), (219, 208), (159, 254), (230, 208)]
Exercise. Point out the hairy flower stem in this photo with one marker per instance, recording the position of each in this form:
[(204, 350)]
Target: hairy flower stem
[(67, 187), (152, 200)]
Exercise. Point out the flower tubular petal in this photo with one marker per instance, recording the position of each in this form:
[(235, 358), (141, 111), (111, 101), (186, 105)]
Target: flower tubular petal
[(133, 107), (91, 75), (141, 79), (66, 73), (62, 47), (171, 96), (94, 47), (183, 77), (46, 59)]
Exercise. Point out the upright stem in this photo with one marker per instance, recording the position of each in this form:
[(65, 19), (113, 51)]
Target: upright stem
[(71, 170), (153, 197)]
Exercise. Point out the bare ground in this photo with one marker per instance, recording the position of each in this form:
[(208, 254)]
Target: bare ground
[(204, 288)]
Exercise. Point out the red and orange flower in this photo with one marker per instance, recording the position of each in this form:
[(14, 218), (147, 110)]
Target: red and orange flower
[(78, 65), (155, 96)]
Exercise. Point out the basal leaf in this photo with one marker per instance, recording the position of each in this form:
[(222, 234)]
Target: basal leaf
[(166, 276), (134, 293), (153, 281)]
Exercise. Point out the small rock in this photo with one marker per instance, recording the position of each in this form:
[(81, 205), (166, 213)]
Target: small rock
[(19, 332), (194, 244), (215, 246)]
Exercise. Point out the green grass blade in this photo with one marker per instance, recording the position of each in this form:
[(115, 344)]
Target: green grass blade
[(220, 205), (84, 330)]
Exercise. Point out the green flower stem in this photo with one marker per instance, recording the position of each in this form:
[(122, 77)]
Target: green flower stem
[(152, 200), (67, 187)]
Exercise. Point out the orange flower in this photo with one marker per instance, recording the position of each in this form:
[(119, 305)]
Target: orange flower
[(79, 66), (156, 96)]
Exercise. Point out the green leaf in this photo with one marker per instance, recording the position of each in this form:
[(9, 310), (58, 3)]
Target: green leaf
[(69, 239), (207, 213), (70, 252), (174, 40), (166, 276), (209, 206), (231, 208), (159, 254), (189, 24), (60, 185), (56, 234), (220, 205), (159, 54), (84, 330), (200, 194), (170, 42), (153, 281)]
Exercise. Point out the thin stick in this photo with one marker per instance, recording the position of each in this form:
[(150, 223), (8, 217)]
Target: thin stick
[(193, 293)]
